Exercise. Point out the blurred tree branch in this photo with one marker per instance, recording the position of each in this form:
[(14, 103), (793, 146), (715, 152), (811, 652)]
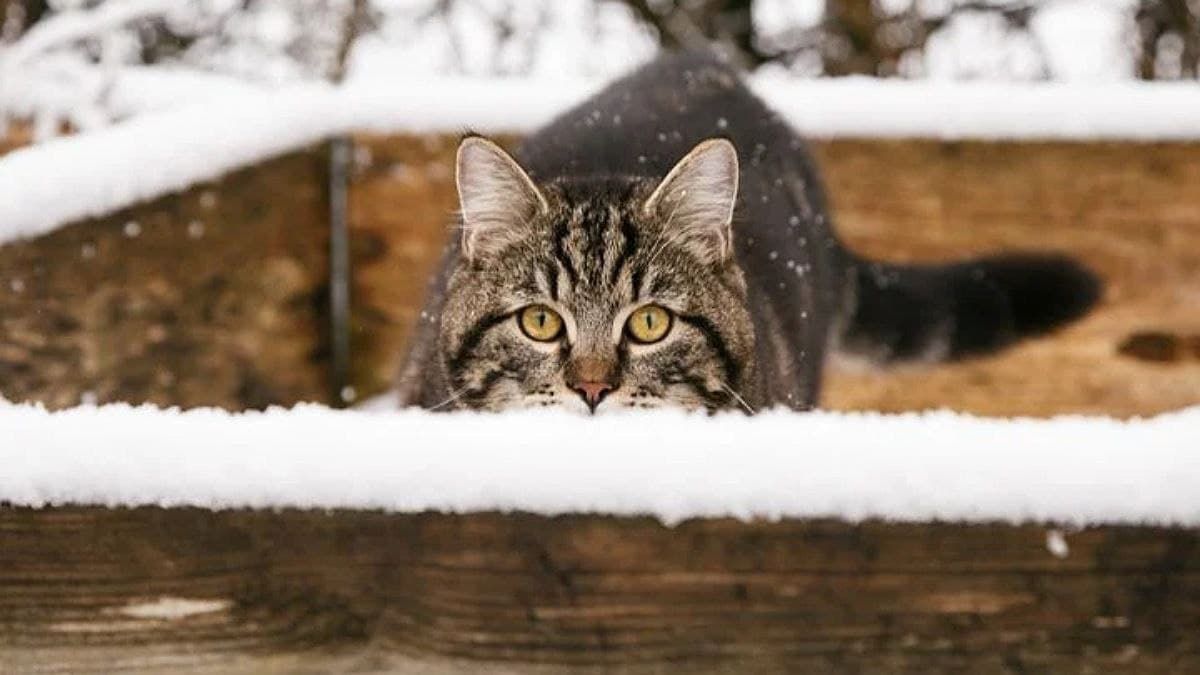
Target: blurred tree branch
[(854, 37), (16, 16), (692, 24), (851, 37), (354, 24), (1169, 39)]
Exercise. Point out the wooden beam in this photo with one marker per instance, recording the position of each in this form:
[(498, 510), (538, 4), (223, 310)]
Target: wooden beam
[(213, 296), (192, 590)]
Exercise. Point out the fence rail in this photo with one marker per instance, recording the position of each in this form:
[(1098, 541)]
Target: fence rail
[(192, 590)]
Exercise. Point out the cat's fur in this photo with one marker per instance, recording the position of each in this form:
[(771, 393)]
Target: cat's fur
[(759, 305)]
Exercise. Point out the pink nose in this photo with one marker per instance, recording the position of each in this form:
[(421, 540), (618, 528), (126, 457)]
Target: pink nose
[(592, 392)]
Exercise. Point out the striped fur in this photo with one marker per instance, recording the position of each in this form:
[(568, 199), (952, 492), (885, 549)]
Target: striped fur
[(588, 220)]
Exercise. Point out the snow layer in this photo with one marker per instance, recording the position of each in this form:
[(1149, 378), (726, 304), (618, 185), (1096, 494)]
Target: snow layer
[(864, 107), (71, 26), (1074, 471), (49, 184)]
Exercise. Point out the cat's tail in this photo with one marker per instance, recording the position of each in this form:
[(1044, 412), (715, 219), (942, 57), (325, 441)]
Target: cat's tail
[(928, 313)]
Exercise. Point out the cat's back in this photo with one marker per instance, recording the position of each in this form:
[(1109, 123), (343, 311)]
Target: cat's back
[(642, 124), (645, 122)]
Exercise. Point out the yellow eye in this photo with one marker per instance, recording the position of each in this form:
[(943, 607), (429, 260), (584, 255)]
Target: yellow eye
[(540, 323), (648, 324)]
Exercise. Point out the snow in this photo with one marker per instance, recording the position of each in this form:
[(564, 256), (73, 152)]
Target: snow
[(1071, 471), (45, 76), (158, 153), (62, 89), (1085, 40), (233, 126), (865, 107), (135, 90), (1056, 544), (539, 38), (71, 26)]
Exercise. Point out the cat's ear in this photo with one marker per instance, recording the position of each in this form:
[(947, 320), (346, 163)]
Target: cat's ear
[(697, 197), (496, 196)]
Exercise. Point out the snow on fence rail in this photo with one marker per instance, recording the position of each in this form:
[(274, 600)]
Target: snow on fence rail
[(913, 467), (53, 183)]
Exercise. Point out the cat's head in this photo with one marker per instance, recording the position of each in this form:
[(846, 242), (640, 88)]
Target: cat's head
[(599, 293)]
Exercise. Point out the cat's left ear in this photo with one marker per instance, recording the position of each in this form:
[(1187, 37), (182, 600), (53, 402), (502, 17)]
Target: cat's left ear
[(496, 196), (697, 198)]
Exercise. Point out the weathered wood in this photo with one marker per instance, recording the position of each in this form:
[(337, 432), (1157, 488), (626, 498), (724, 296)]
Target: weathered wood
[(209, 297), (96, 590), (1130, 210), (401, 199), (14, 136)]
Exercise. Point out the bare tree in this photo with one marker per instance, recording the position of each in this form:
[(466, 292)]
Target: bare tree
[(16, 16), (854, 37), (693, 23), (1169, 39)]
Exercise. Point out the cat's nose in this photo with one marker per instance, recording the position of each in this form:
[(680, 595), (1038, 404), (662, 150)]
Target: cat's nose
[(592, 377), (592, 392)]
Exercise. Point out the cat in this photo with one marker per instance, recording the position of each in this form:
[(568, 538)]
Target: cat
[(668, 243)]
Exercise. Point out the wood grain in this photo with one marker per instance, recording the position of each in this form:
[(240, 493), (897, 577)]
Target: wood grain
[(213, 296), (1126, 209), (97, 590)]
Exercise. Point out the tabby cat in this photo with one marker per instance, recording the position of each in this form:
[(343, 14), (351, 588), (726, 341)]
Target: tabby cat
[(668, 243)]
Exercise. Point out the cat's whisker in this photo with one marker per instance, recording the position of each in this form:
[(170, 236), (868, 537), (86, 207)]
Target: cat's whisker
[(737, 397), (454, 396)]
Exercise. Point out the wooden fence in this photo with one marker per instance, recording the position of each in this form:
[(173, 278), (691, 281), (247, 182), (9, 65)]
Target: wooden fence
[(217, 296), (192, 590)]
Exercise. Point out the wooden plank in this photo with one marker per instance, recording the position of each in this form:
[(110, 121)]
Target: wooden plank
[(401, 196), (98, 590), (213, 296), (1126, 209), (1130, 210), (14, 136)]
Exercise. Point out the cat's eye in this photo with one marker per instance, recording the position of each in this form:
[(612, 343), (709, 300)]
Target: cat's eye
[(540, 323), (648, 324)]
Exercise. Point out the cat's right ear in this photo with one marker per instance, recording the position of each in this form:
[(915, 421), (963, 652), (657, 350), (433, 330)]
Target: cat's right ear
[(697, 198), (496, 196)]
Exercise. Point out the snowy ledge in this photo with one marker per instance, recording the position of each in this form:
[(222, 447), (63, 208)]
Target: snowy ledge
[(213, 133), (913, 467)]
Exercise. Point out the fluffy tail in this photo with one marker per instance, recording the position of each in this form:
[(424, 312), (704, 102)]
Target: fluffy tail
[(943, 313)]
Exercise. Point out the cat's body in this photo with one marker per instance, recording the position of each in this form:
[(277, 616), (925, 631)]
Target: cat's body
[(769, 315)]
